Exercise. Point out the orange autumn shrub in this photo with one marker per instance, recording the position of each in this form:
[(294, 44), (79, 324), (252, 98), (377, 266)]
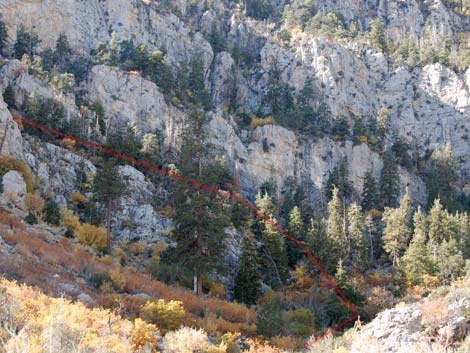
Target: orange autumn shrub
[(34, 204)]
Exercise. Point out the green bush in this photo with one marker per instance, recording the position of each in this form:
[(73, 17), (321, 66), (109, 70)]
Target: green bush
[(52, 213), (31, 219)]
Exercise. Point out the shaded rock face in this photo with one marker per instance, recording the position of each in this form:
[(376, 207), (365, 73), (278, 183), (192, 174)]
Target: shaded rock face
[(135, 217)]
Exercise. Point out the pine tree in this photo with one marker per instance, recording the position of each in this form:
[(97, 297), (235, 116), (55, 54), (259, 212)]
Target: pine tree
[(9, 96), (377, 36), (397, 229), (359, 252), (62, 51), (370, 194), (389, 180), (296, 229), (464, 234), (442, 179), (275, 261), (52, 213), (25, 43), (108, 188), (200, 215), (200, 95), (113, 51), (339, 177), (3, 36), (248, 280), (416, 262), (337, 226), (439, 229), (450, 262), (150, 150)]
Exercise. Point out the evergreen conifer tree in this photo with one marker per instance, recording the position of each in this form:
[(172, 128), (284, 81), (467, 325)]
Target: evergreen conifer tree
[(359, 252), (370, 194), (397, 229), (416, 262), (389, 181), (337, 227), (108, 187), (200, 215), (296, 228), (248, 280)]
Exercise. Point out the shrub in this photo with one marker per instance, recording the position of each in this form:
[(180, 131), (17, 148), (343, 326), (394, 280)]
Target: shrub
[(78, 198), (52, 213), (167, 315), (31, 219), (118, 278), (67, 143), (144, 335), (137, 249), (8, 163), (98, 279), (34, 204), (70, 221), (188, 340), (269, 319), (300, 322), (231, 340), (93, 236), (217, 290), (255, 122)]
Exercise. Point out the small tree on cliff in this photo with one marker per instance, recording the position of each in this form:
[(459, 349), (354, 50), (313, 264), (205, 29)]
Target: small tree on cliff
[(108, 187)]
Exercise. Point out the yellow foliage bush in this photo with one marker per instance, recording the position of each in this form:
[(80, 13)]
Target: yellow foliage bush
[(217, 290), (166, 315), (34, 203), (91, 235), (363, 139), (189, 340), (255, 122), (69, 220), (8, 163), (231, 340), (144, 335), (45, 324), (78, 198), (67, 143), (137, 248)]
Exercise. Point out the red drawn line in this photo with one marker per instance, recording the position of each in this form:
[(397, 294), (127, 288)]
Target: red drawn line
[(224, 194)]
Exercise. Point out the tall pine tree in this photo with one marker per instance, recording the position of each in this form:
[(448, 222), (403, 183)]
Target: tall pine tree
[(416, 262), (397, 228), (295, 228), (248, 280), (337, 227), (370, 193), (389, 181), (200, 215), (359, 252), (108, 187)]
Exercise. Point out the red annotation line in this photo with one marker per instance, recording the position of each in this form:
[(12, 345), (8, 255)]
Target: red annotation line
[(225, 194)]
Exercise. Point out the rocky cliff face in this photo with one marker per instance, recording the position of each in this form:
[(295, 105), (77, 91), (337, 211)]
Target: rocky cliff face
[(429, 106)]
